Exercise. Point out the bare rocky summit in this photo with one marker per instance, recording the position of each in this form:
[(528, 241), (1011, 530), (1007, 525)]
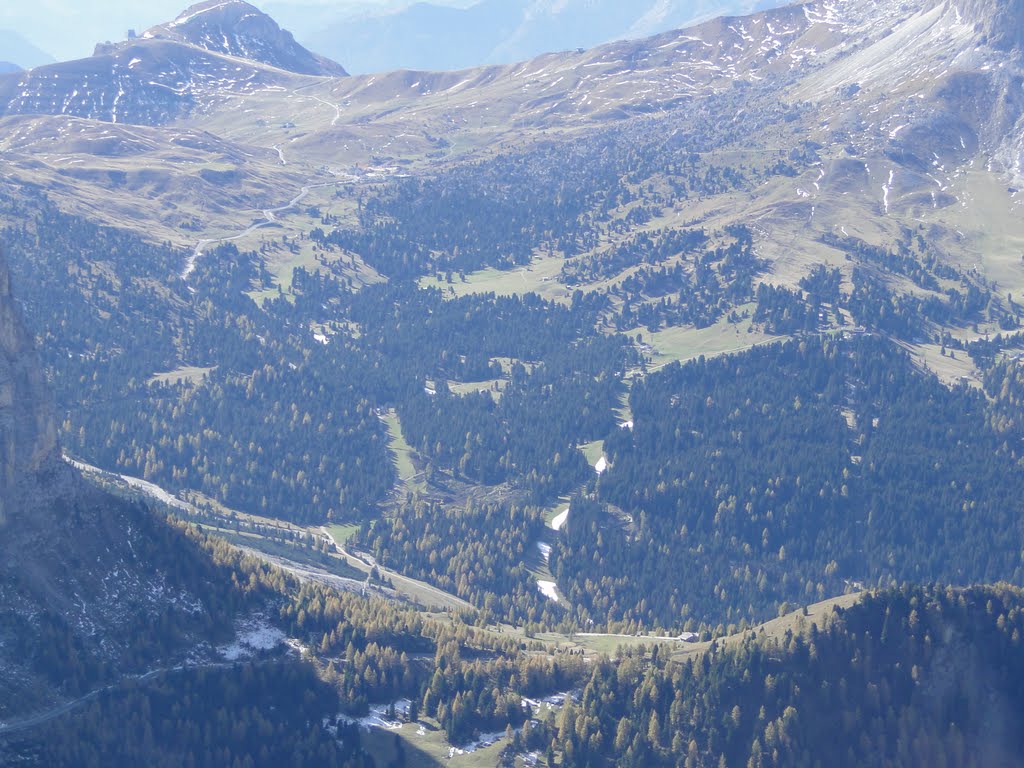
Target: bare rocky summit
[(209, 56), (236, 28)]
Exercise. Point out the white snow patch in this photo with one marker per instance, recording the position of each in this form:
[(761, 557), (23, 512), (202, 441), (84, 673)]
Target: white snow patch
[(549, 589), (485, 740), (601, 466), (378, 717), (545, 550), (559, 519), (255, 635), (187, 17)]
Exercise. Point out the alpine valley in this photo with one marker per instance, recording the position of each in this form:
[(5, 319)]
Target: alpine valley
[(657, 404)]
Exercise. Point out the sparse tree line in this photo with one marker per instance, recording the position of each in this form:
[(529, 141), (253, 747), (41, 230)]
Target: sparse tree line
[(946, 296)]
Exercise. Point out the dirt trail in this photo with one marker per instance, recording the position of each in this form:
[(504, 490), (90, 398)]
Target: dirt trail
[(33, 721), (269, 217), (404, 584)]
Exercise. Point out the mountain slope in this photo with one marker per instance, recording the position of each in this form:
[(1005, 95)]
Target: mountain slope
[(212, 54), (915, 677), (869, 144), (91, 588), (804, 173), (236, 28), (146, 82)]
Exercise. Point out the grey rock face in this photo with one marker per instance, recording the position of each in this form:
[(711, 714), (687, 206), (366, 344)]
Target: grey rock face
[(1002, 21), (28, 426)]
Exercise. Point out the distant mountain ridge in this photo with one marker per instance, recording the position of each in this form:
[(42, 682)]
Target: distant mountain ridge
[(236, 28), (16, 50), (846, 58), (209, 52), (437, 37)]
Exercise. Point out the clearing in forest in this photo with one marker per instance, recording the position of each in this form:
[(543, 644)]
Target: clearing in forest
[(400, 448)]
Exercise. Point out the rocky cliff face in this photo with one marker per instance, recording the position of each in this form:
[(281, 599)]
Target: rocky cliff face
[(990, 96), (84, 576), (28, 427), (1001, 21)]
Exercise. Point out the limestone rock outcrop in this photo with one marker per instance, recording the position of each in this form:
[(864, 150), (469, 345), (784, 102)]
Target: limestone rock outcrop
[(28, 425)]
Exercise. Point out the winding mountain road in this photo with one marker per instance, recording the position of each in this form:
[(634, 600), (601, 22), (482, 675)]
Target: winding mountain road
[(421, 590), (269, 217), (426, 593), (269, 214)]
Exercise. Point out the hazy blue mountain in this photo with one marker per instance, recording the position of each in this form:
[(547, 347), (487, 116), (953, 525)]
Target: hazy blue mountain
[(422, 36), (434, 37), (16, 50)]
